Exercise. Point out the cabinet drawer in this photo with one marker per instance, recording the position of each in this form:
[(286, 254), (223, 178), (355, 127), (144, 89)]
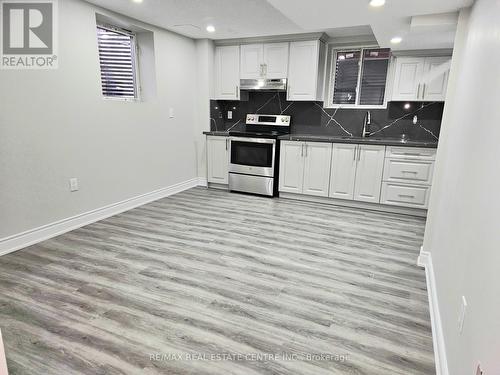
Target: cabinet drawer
[(410, 171), (410, 153), (405, 195)]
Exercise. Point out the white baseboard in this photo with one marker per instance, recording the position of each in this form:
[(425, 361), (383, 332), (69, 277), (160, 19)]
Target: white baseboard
[(425, 260), (3, 361), (33, 236), (202, 181)]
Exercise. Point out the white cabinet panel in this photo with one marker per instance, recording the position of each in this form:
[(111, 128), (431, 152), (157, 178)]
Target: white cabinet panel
[(291, 167), (408, 77), (369, 173), (276, 60), (303, 70), (227, 73), (405, 195), (317, 157), (435, 80), (409, 171), (343, 171), (217, 159), (252, 61), (410, 153)]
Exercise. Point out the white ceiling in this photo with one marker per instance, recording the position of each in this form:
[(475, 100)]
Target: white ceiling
[(432, 28)]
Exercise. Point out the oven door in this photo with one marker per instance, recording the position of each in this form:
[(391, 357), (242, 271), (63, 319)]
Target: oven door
[(253, 156)]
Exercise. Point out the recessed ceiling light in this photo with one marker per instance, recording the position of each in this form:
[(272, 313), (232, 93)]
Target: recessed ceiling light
[(407, 105), (377, 3), (210, 28), (137, 1), (396, 40)]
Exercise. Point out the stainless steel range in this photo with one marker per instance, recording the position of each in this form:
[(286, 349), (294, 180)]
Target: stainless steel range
[(254, 154)]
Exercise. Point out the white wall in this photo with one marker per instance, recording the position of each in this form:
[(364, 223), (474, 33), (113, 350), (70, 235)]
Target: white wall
[(54, 125), (463, 227)]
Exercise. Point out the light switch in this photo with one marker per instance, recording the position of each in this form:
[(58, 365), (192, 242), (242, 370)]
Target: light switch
[(171, 113), (229, 115), (73, 184)]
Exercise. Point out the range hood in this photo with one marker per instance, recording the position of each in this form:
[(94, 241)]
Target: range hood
[(263, 84)]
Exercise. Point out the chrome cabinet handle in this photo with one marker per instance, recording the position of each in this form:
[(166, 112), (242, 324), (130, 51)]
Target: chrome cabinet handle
[(354, 153), (227, 141), (237, 90), (423, 90), (406, 196), (305, 144), (412, 172), (302, 150), (359, 153), (418, 91)]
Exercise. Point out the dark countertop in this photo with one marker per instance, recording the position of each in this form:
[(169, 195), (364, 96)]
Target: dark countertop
[(359, 140), (217, 133), (339, 139)]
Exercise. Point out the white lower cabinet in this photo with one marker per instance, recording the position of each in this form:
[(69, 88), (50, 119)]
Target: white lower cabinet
[(317, 158), (217, 159), (291, 167), (343, 172), (369, 170), (305, 167), (405, 195)]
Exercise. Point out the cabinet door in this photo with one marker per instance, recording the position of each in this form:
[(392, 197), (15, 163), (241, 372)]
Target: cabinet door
[(217, 159), (318, 157), (343, 172), (408, 77), (435, 78), (252, 61), (291, 167), (303, 70), (276, 60), (369, 170), (227, 73)]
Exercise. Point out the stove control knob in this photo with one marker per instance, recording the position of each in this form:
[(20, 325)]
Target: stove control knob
[(284, 119)]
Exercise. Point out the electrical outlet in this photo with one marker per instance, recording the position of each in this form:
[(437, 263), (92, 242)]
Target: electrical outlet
[(229, 115), (73, 184), (461, 316), (171, 113), (415, 120)]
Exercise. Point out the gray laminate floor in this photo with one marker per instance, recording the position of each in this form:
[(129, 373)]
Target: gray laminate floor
[(207, 282)]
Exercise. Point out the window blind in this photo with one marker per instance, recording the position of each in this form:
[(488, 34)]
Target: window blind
[(117, 62), (374, 75), (346, 77)]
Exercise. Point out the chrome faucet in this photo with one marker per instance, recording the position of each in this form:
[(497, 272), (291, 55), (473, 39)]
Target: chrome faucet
[(367, 121)]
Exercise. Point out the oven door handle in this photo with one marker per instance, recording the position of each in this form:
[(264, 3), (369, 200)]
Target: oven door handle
[(253, 140)]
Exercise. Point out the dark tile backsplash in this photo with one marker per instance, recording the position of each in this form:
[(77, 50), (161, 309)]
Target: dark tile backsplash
[(312, 118)]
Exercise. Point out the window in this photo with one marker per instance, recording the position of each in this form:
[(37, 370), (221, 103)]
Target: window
[(117, 59), (360, 77)]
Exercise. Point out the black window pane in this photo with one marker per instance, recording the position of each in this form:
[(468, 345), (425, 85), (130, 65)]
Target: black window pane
[(374, 76), (346, 77)]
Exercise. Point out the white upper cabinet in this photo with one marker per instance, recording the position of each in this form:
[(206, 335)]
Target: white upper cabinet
[(305, 70), (276, 60), (317, 158), (264, 61), (409, 72), (369, 173), (217, 159), (435, 78), (291, 167), (252, 61), (420, 78), (343, 172), (227, 73)]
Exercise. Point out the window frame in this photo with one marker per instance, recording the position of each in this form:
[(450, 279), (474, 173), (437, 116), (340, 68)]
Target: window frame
[(332, 76), (135, 63)]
